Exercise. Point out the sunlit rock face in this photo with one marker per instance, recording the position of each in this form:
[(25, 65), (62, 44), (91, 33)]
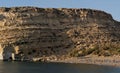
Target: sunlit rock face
[(43, 32)]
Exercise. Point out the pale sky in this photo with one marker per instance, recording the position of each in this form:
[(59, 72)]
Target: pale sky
[(110, 6)]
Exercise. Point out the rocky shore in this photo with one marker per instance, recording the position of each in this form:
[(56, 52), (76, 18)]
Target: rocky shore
[(107, 61), (91, 59)]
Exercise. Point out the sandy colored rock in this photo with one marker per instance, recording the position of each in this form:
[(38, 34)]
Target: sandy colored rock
[(37, 32)]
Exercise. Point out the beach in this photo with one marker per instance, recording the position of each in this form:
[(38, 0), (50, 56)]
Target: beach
[(108, 61)]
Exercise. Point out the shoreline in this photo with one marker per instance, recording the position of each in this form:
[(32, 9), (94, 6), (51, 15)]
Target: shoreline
[(113, 61), (105, 61)]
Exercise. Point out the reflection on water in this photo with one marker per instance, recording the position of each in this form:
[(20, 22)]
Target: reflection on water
[(30, 67)]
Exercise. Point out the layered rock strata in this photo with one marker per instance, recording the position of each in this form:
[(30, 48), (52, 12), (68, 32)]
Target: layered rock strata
[(31, 32)]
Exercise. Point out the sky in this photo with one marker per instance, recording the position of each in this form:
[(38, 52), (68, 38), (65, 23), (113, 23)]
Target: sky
[(109, 6)]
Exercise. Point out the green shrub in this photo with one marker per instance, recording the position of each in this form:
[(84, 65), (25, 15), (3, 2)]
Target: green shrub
[(118, 51), (106, 53), (89, 51), (76, 53)]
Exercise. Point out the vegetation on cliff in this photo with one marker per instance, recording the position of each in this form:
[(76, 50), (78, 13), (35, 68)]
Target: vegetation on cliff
[(44, 32)]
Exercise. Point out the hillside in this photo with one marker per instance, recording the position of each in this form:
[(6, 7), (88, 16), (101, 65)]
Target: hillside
[(31, 32)]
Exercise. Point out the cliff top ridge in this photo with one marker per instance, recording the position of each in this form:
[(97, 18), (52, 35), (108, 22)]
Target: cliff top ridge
[(67, 12)]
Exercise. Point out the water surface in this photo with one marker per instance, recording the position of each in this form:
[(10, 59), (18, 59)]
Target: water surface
[(30, 67)]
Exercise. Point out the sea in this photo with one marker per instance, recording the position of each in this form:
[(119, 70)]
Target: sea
[(39, 67)]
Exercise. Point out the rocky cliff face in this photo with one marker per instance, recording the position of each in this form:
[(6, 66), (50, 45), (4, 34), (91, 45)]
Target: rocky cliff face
[(30, 32)]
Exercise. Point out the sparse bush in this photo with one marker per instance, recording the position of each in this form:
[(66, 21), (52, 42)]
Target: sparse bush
[(106, 53), (118, 50), (106, 48), (76, 53), (100, 51), (96, 52), (89, 51)]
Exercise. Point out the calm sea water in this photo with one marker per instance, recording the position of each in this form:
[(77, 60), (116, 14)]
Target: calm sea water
[(30, 67)]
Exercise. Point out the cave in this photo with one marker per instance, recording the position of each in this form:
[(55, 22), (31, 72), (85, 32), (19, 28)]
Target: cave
[(8, 53)]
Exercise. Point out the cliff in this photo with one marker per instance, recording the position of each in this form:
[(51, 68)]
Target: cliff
[(31, 32)]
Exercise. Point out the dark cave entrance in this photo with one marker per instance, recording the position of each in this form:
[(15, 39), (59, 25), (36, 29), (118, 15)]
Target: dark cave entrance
[(8, 53)]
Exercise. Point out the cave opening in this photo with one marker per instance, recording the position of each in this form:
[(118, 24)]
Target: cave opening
[(8, 53)]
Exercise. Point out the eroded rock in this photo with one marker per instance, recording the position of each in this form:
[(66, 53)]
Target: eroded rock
[(37, 32)]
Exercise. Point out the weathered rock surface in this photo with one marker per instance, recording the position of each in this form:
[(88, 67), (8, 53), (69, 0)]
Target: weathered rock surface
[(43, 32)]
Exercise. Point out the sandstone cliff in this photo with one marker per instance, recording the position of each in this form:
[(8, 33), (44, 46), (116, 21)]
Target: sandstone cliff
[(30, 32)]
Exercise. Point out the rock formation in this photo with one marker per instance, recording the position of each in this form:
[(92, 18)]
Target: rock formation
[(31, 32)]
